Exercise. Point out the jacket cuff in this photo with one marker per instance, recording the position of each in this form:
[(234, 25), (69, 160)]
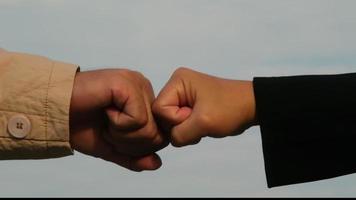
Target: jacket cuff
[(35, 94)]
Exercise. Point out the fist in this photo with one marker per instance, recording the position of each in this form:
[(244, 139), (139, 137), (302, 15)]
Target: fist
[(193, 105), (111, 118)]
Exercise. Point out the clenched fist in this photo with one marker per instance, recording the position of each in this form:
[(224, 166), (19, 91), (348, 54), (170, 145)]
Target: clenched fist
[(111, 118), (193, 105)]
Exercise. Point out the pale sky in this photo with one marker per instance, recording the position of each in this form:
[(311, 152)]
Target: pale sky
[(229, 38)]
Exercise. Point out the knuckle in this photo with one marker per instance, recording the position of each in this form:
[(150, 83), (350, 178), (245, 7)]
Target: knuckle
[(125, 72), (157, 106), (138, 75), (196, 141), (131, 74), (148, 82), (205, 121), (147, 86), (142, 120), (182, 75), (119, 91), (181, 71), (178, 141), (160, 141), (177, 144), (149, 133), (141, 79)]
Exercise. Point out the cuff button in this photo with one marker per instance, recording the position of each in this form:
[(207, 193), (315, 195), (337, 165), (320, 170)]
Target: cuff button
[(19, 126)]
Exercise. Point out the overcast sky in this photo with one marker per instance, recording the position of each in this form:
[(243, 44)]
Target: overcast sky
[(227, 38)]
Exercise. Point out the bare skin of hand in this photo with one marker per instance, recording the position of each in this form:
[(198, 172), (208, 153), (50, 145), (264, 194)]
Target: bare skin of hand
[(111, 118), (194, 105)]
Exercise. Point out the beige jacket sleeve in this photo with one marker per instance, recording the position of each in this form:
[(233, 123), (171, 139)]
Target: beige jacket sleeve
[(35, 95)]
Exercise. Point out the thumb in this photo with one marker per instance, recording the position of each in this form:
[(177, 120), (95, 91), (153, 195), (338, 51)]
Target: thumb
[(149, 162), (169, 116), (172, 115), (171, 105), (169, 113)]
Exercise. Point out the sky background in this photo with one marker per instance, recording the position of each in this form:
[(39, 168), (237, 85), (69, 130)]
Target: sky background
[(237, 39)]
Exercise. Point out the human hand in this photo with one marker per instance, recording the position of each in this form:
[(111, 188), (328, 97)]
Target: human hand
[(111, 118), (195, 105)]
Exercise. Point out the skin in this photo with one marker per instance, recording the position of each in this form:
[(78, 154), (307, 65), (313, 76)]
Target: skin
[(111, 118), (194, 105)]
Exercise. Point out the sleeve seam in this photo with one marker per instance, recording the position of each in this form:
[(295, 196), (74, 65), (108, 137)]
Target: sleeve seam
[(46, 114), (52, 119)]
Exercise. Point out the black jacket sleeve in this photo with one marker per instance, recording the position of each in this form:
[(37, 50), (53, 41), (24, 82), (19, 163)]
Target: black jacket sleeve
[(308, 126)]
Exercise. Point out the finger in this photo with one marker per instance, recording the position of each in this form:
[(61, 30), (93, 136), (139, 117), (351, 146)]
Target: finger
[(161, 127), (146, 137), (149, 162), (137, 143), (148, 90), (148, 134), (121, 121), (149, 96), (187, 133), (129, 112)]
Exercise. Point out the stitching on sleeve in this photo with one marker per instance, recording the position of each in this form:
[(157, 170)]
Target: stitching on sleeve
[(46, 114), (63, 121), (30, 114)]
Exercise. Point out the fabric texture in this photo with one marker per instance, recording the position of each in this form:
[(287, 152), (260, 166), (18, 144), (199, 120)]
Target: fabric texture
[(308, 126), (40, 89)]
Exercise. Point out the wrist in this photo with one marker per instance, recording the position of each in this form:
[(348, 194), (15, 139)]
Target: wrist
[(254, 119), (249, 96), (73, 109)]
